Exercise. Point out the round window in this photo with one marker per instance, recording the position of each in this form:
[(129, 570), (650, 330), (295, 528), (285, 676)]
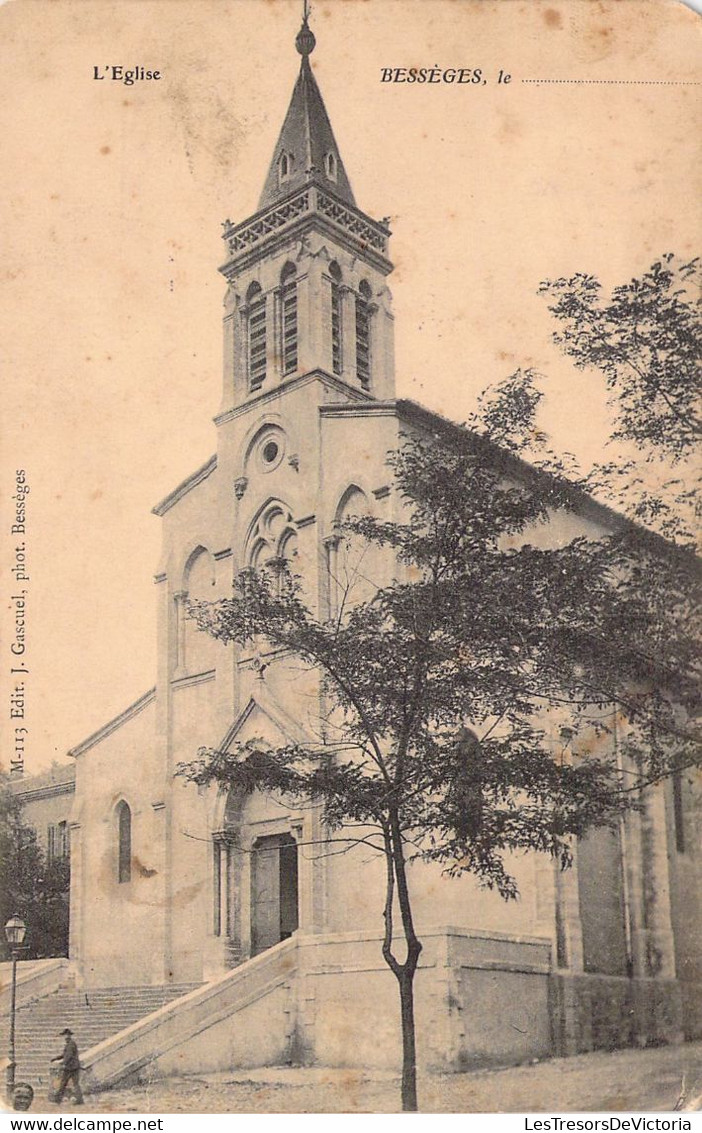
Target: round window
[(270, 452), (267, 449)]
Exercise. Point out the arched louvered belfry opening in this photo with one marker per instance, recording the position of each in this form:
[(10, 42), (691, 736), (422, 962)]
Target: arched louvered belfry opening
[(336, 318), (363, 334), (256, 340), (288, 319)]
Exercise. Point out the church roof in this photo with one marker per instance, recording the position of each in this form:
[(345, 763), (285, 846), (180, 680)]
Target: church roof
[(582, 502), (306, 146)]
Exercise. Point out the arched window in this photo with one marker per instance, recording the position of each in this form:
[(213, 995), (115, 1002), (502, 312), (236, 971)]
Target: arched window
[(330, 166), (256, 325), (336, 324), (352, 560), (363, 318), (124, 842), (273, 536), (197, 649), (288, 318)]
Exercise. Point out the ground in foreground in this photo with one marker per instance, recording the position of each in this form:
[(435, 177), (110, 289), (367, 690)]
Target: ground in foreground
[(625, 1080)]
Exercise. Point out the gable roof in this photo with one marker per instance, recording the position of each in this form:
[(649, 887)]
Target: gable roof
[(115, 723), (285, 724), (185, 486)]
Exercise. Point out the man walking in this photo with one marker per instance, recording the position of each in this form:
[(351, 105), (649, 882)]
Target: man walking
[(70, 1068)]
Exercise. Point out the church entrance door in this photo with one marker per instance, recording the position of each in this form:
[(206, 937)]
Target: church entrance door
[(274, 903)]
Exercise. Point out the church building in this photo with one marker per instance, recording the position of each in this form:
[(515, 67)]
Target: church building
[(234, 897)]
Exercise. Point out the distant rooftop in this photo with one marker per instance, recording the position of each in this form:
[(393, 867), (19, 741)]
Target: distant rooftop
[(59, 779)]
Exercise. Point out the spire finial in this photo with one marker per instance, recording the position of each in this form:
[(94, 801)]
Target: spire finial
[(305, 40)]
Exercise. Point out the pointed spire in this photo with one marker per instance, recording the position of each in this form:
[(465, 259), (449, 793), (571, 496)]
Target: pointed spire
[(306, 146)]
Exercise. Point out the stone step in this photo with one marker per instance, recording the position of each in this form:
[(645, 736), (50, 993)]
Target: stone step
[(93, 1016)]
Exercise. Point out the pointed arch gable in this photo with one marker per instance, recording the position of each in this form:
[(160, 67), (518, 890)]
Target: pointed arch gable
[(262, 706)]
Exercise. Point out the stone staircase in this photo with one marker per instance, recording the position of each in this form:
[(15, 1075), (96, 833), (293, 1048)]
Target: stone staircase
[(93, 1016)]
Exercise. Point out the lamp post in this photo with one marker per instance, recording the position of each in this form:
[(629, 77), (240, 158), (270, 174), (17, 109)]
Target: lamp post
[(15, 930)]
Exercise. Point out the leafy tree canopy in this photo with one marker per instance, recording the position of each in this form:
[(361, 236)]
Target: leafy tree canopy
[(645, 338), (30, 886)]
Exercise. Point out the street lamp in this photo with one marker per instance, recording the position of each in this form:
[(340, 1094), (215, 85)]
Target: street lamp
[(15, 930)]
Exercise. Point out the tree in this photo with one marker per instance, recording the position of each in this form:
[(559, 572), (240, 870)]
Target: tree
[(31, 886), (645, 339), (437, 692)]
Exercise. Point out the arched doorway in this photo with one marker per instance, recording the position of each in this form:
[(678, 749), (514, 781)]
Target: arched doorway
[(274, 891)]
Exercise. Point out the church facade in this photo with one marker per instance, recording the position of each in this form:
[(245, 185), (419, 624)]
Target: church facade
[(171, 884)]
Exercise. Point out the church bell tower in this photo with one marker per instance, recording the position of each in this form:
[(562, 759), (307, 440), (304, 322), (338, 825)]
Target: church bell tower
[(307, 296)]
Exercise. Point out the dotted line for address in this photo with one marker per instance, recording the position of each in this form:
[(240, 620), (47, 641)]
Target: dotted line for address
[(621, 82)]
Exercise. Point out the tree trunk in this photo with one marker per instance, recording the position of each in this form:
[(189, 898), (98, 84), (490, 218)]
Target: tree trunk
[(404, 973), (409, 1050)]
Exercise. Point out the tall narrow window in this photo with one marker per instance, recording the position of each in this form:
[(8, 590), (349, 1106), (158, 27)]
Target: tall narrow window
[(63, 841), (256, 336), (363, 317), (335, 273), (124, 838), (678, 811), (288, 320), (51, 843), (217, 862)]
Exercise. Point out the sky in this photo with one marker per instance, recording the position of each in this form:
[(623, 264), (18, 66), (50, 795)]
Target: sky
[(114, 195)]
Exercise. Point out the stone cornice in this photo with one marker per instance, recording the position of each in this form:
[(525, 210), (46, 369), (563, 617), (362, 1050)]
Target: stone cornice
[(369, 408), (272, 394), (313, 205), (295, 233), (194, 679), (117, 722), (185, 486)]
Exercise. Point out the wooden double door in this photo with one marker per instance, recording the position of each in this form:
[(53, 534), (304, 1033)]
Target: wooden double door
[(274, 891)]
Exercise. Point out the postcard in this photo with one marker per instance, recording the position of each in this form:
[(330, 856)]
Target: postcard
[(250, 245)]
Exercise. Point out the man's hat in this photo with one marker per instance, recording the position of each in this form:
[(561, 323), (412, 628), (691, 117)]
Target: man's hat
[(65, 1031)]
